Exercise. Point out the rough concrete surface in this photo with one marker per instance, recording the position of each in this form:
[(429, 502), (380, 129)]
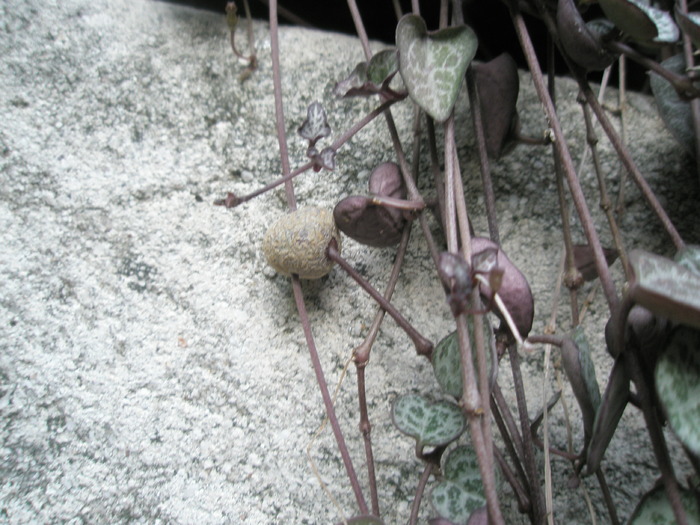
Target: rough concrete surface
[(152, 368)]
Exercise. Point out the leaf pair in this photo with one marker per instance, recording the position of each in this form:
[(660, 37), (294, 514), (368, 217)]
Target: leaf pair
[(314, 128), (368, 221)]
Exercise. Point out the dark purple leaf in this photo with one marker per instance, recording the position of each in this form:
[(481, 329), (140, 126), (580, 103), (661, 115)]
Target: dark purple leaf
[(515, 290), (456, 277), (386, 181), (361, 219), (581, 42), (498, 84), (689, 24), (640, 21), (585, 261)]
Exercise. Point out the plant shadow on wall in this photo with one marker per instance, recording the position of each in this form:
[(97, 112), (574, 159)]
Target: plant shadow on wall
[(653, 328)]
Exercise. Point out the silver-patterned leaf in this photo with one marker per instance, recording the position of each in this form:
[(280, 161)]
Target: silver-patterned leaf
[(315, 126), (433, 65), (677, 377), (461, 492), (447, 360), (431, 424), (665, 287)]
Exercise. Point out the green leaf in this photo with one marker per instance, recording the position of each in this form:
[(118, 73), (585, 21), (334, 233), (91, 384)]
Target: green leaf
[(447, 360), (370, 78), (655, 509), (674, 111), (641, 22), (677, 378), (433, 65), (461, 492), (382, 66), (431, 424), (665, 287)]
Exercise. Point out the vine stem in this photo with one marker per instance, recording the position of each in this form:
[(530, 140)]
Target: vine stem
[(423, 346), (565, 157), (361, 359), (484, 163), (296, 283), (695, 103), (618, 146), (472, 398), (427, 471)]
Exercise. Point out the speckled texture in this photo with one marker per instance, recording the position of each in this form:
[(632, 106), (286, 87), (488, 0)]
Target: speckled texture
[(152, 366), (297, 243)]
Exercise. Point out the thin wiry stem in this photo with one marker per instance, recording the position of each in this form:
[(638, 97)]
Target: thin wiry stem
[(695, 103), (566, 161), (484, 163), (618, 146), (296, 283)]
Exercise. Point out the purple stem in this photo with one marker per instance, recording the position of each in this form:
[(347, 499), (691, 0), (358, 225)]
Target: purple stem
[(296, 284)]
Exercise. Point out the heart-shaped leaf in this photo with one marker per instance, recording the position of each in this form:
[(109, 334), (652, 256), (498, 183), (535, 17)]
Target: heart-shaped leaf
[(515, 290), (433, 65), (386, 181), (360, 218), (654, 508), (327, 158), (382, 67), (674, 111), (447, 360), (498, 85), (640, 21), (370, 223), (461, 492), (369, 78), (576, 359), (665, 287), (677, 378), (580, 41), (431, 424), (315, 126)]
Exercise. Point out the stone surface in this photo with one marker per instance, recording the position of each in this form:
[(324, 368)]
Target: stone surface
[(152, 368)]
